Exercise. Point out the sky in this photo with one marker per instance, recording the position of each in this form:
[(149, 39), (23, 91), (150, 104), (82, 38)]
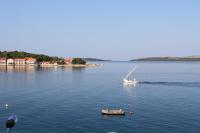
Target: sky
[(106, 29)]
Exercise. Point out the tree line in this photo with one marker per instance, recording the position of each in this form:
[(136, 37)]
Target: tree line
[(39, 57)]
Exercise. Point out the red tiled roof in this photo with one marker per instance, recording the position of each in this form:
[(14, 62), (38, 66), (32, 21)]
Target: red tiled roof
[(19, 58), (69, 60), (2, 58), (29, 58)]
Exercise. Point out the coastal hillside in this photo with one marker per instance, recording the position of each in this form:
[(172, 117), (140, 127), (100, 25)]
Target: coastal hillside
[(187, 58), (39, 57)]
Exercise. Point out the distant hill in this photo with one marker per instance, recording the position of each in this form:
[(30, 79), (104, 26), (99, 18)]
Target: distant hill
[(94, 59), (187, 58)]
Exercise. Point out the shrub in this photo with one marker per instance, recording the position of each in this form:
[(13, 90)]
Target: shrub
[(78, 61)]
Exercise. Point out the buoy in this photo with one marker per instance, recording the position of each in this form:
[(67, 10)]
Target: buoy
[(6, 105), (130, 114)]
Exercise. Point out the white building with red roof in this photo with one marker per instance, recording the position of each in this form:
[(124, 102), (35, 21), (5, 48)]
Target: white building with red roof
[(19, 61), (2, 61), (68, 60), (10, 61), (30, 60), (48, 63)]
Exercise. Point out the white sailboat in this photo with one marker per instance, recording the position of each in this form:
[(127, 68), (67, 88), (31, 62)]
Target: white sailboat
[(127, 79)]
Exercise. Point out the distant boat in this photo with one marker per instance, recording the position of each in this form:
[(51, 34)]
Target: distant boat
[(127, 79), (112, 112), (6, 105)]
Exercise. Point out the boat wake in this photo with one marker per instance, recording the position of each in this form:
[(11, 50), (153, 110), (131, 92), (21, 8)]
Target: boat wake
[(183, 84)]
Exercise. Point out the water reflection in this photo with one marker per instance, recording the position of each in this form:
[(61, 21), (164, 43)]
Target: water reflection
[(29, 69), (78, 69), (46, 68), (111, 116), (74, 69), (3, 68), (33, 69), (130, 88), (78, 74)]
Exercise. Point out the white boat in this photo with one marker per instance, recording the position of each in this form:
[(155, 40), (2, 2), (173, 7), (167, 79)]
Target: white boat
[(127, 79), (112, 112)]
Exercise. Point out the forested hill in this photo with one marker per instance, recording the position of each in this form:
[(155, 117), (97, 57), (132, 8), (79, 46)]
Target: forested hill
[(39, 57)]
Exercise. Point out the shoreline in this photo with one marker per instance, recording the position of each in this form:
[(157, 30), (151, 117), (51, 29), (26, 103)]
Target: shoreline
[(51, 65), (81, 65)]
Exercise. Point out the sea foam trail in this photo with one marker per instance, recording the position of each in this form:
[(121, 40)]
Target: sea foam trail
[(184, 84)]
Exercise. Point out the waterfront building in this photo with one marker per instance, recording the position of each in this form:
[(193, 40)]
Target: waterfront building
[(68, 60), (30, 60), (19, 61), (45, 63), (2, 61), (48, 63), (10, 61)]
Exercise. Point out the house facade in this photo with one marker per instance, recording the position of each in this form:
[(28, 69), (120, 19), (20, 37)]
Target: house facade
[(45, 63), (19, 61), (48, 63), (10, 61), (2, 61), (30, 60), (68, 60)]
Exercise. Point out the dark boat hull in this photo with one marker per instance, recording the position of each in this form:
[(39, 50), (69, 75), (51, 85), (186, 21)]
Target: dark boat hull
[(113, 113)]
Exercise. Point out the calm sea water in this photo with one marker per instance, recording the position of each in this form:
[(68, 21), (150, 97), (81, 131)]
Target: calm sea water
[(65, 100)]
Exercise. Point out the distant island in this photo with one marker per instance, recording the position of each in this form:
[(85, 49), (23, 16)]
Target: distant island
[(94, 59), (187, 58)]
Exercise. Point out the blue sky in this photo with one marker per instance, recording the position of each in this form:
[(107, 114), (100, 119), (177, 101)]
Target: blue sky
[(108, 29)]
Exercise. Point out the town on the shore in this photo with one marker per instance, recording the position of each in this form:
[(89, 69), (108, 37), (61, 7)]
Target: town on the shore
[(20, 58), (31, 61)]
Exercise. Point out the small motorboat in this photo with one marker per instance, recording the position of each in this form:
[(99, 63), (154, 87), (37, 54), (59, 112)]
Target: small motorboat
[(112, 112), (12, 120)]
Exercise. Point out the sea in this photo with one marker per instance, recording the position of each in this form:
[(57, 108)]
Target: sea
[(70, 100)]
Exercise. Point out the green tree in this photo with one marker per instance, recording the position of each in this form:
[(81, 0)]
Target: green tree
[(78, 61)]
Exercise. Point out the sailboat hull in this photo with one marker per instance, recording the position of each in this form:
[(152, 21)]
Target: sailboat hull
[(130, 81)]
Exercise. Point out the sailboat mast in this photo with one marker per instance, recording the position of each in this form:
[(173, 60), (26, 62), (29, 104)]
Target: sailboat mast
[(127, 76)]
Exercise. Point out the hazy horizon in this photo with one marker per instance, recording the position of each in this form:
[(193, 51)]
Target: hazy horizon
[(115, 30)]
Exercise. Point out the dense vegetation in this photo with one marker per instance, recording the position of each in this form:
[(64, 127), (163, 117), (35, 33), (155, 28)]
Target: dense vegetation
[(39, 57), (78, 61)]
